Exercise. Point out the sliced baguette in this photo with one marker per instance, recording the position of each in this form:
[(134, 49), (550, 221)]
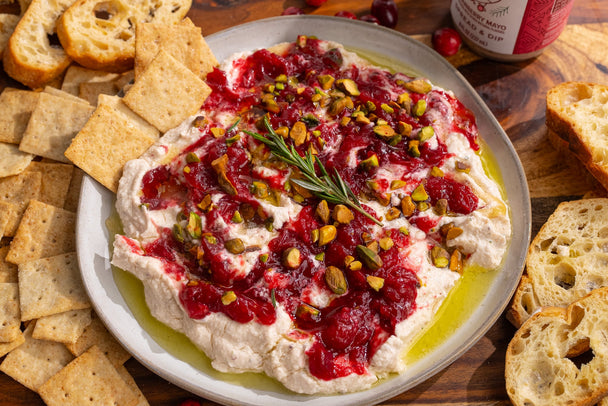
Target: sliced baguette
[(578, 113), (539, 366), (30, 58), (100, 34), (8, 22), (524, 302)]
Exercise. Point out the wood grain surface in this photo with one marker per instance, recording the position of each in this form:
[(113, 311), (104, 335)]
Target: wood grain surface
[(515, 93)]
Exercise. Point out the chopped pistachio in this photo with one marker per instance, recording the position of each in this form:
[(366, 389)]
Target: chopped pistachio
[(235, 246), (186, 169), (320, 256), (334, 277), (355, 266), (419, 194), (440, 257), (386, 243), (418, 86), (426, 133), (236, 217), (228, 297), (349, 86), (394, 140), (282, 78), (404, 100), (200, 122), (326, 81), (282, 131), (369, 163), (384, 131), (342, 214), (453, 232), (441, 207), (362, 119), (217, 132), (271, 105), (404, 128), (403, 230), (280, 86), (194, 226), (210, 238), (387, 109), (408, 207), (375, 282), (192, 158), (344, 121), (392, 214), (370, 258), (373, 245), (327, 234), (436, 172), (397, 184), (305, 310), (178, 233), (247, 211), (423, 206), (292, 258), (264, 258), (456, 261), (314, 235), (339, 105), (419, 108), (220, 167), (260, 189), (413, 148), (317, 97), (322, 211), (298, 133)]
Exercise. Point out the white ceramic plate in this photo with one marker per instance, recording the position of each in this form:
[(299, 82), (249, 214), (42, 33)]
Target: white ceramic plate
[(96, 205)]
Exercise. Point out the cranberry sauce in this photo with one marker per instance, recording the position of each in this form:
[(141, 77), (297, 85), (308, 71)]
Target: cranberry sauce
[(358, 121)]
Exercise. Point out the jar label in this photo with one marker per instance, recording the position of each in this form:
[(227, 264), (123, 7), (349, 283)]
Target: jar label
[(511, 26)]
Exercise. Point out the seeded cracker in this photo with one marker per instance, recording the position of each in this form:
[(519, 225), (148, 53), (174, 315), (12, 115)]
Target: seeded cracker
[(44, 231), (73, 195), (88, 380), (106, 142), (51, 285), (53, 124), (183, 42), (35, 361), (56, 179), (10, 320), (63, 327), (16, 107), (12, 161), (8, 271), (166, 93), (97, 334)]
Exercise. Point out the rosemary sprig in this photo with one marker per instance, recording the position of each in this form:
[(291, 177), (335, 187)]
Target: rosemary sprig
[(331, 188)]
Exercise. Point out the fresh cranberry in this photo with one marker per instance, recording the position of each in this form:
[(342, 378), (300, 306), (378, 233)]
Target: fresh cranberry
[(315, 3), (346, 14), (190, 402), (446, 41), (370, 19), (292, 11), (386, 12)]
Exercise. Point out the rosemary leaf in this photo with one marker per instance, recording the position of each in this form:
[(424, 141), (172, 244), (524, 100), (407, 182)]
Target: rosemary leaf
[(331, 188)]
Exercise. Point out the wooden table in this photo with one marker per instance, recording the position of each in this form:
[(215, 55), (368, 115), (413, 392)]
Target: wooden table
[(516, 95)]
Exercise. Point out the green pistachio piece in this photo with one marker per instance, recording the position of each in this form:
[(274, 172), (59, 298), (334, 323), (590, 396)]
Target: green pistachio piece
[(228, 297), (349, 86), (335, 280), (370, 258), (375, 282), (234, 246)]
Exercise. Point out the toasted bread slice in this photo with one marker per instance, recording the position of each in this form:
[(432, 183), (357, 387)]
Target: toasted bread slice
[(578, 113), (540, 366), (100, 34), (30, 56), (8, 22), (568, 258), (523, 304)]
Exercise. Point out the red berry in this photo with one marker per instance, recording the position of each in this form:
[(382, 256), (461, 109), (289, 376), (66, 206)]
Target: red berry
[(386, 12), (370, 19), (446, 41), (346, 14), (315, 3), (190, 402), (292, 11)]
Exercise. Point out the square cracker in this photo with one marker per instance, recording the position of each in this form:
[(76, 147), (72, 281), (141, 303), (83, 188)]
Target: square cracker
[(5, 348), (13, 161), (88, 380), (35, 361), (64, 327), (15, 195), (126, 376), (16, 107), (61, 93), (182, 41), (55, 183), (97, 334), (166, 93), (53, 124), (51, 285), (73, 196), (44, 231), (10, 320), (106, 142), (8, 271), (75, 75)]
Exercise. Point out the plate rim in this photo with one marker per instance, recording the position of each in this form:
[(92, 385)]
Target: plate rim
[(379, 392)]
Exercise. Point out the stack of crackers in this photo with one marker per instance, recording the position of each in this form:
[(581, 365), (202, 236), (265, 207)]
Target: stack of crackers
[(90, 122)]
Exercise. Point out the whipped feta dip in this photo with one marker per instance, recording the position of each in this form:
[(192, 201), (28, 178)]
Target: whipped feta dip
[(265, 276)]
